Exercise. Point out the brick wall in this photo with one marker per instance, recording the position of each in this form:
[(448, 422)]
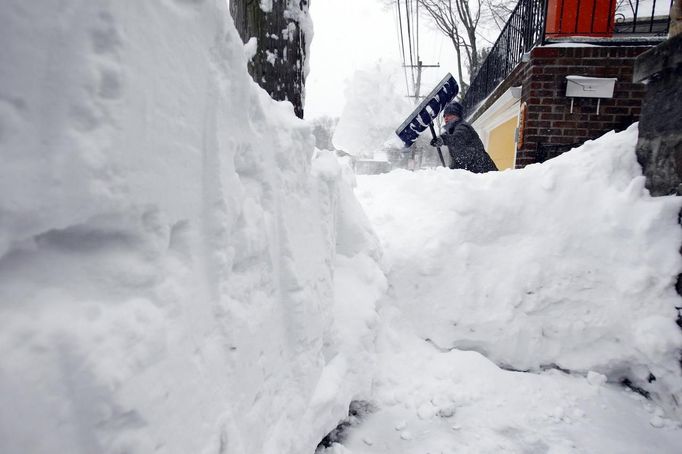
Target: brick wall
[(549, 119)]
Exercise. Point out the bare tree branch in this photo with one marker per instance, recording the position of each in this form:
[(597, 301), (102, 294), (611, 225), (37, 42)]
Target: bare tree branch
[(460, 21)]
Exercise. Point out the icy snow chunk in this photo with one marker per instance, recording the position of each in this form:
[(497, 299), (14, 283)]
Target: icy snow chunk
[(266, 6), (251, 48), (427, 410), (405, 435), (271, 57), (657, 421), (595, 378), (447, 412), (401, 426)]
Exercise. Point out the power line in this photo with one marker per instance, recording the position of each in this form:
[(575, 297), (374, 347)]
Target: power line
[(402, 39), (401, 46), (409, 37), (415, 27), (412, 21)]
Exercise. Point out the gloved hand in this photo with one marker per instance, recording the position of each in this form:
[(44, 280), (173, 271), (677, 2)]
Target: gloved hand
[(437, 142)]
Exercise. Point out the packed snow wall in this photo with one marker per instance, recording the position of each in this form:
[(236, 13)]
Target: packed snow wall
[(170, 248), (570, 264)]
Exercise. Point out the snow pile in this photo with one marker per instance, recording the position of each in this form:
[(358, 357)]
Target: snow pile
[(567, 264), (374, 109), (169, 257), (460, 402)]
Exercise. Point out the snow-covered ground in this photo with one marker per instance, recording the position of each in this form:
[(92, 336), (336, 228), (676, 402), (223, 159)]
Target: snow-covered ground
[(565, 269), (426, 401), (571, 263), (182, 272)]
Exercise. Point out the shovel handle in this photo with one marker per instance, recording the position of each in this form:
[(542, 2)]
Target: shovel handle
[(440, 154)]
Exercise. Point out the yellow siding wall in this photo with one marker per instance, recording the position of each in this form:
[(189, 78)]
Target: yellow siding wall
[(501, 145)]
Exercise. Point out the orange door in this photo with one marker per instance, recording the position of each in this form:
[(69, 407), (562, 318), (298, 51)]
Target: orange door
[(580, 18)]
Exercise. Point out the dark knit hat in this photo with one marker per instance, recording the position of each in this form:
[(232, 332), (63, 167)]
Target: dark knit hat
[(454, 108)]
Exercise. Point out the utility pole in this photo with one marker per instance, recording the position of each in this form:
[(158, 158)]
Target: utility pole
[(415, 159), (417, 87)]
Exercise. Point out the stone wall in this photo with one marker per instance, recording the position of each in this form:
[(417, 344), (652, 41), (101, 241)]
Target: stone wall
[(659, 149)]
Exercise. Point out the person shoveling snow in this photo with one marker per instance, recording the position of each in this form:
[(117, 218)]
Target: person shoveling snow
[(465, 147)]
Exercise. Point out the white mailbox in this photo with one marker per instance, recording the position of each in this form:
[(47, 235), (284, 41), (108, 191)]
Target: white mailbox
[(590, 87)]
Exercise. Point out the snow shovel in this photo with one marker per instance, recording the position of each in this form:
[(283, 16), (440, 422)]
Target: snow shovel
[(427, 111)]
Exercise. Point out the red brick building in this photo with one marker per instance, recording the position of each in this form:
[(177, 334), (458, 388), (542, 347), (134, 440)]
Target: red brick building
[(519, 101)]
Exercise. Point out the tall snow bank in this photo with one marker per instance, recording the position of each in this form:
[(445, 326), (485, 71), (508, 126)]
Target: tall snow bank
[(570, 263), (374, 108), (168, 253)]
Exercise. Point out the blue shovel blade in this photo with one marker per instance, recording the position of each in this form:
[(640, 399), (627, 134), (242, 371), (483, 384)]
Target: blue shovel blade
[(428, 110)]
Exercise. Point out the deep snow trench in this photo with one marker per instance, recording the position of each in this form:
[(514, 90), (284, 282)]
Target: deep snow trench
[(182, 272)]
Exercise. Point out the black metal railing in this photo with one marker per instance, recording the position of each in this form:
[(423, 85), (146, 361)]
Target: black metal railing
[(523, 30), (607, 18), (642, 17), (537, 22)]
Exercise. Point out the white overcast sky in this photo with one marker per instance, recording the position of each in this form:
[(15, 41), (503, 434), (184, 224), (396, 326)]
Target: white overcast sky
[(356, 34)]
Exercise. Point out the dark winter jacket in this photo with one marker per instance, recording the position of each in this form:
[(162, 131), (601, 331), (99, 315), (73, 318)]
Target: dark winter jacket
[(466, 148)]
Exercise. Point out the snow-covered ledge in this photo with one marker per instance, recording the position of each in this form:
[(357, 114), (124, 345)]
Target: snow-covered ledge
[(504, 104)]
